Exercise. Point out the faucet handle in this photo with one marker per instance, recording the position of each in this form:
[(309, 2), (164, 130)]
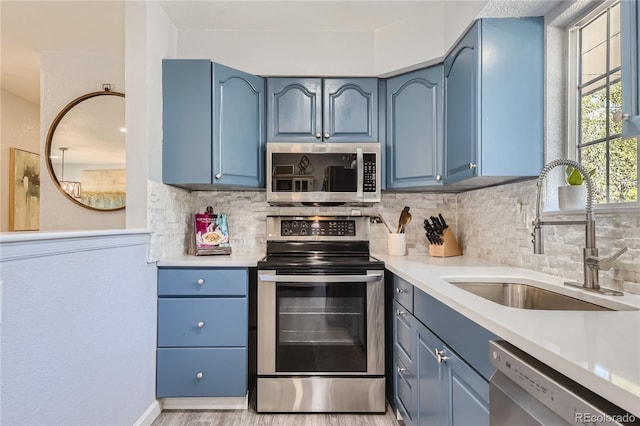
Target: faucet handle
[(604, 263)]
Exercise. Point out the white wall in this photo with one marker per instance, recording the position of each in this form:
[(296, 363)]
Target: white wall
[(151, 36), (19, 128), (419, 40), (65, 76), (78, 329)]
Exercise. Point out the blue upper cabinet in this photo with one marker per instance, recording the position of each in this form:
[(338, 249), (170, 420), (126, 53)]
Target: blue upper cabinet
[(350, 110), (415, 134), (212, 115), (494, 103), (238, 127), (329, 110), (630, 32), (294, 106), (186, 122), (461, 72)]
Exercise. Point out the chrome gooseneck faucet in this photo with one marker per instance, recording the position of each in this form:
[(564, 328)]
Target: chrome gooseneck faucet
[(592, 263)]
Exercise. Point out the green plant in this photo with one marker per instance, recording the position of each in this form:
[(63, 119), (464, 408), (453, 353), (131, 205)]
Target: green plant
[(574, 177)]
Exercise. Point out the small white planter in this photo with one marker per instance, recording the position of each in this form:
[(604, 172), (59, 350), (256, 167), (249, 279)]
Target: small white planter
[(572, 197)]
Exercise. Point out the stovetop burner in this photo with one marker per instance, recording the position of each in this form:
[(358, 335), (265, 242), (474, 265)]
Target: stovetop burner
[(322, 244)]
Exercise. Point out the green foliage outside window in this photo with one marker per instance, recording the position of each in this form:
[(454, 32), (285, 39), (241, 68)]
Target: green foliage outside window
[(619, 181)]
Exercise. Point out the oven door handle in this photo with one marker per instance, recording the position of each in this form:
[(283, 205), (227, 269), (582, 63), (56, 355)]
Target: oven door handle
[(321, 278)]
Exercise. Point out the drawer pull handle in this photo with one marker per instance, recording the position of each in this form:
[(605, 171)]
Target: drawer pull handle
[(199, 375), (400, 313), (201, 281), (401, 370), (440, 356), (400, 290), (201, 324)]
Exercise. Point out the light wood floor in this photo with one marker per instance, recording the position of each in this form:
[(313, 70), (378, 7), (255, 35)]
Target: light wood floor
[(249, 417)]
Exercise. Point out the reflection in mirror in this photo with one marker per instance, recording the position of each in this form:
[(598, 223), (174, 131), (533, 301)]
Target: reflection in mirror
[(85, 151)]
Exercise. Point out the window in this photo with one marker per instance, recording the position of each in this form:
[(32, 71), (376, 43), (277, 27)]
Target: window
[(598, 104)]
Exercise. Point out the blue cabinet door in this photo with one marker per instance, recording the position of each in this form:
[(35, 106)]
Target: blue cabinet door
[(415, 134), (467, 393), (238, 128), (431, 379), (494, 103), (630, 33), (350, 110), (186, 121), (294, 108), (317, 110), (213, 125), (462, 85)]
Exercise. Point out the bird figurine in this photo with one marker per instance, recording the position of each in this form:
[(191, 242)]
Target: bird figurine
[(405, 219)]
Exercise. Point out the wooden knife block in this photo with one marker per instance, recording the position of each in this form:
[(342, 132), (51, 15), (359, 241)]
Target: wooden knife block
[(449, 246)]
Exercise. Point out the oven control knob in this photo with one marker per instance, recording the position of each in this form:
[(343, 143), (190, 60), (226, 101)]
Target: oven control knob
[(303, 232)]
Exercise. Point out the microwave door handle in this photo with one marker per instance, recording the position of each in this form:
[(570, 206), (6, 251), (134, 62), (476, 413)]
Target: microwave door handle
[(321, 278), (360, 167)]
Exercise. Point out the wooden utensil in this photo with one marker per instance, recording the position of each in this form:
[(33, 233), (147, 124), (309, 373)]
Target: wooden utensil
[(405, 219)]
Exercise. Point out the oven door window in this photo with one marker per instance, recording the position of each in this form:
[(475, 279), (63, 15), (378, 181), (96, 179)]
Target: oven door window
[(321, 327)]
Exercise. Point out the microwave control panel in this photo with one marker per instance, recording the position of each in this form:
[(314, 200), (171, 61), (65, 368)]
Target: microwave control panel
[(369, 172), (329, 228)]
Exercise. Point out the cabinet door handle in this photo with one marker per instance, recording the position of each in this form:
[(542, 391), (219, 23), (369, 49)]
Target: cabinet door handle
[(400, 290), (201, 324), (438, 178), (401, 370), (472, 165), (326, 135), (201, 281), (199, 375), (400, 313), (440, 356), (318, 135), (218, 176)]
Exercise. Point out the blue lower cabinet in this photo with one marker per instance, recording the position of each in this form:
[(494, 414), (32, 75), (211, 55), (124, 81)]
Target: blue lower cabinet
[(468, 394), (196, 322), (432, 383), (406, 395), (203, 329), (199, 372)]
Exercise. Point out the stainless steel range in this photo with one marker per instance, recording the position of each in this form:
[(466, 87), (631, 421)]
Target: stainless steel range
[(320, 317)]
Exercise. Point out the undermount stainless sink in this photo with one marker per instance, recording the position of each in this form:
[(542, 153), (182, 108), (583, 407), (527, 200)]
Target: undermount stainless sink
[(524, 296)]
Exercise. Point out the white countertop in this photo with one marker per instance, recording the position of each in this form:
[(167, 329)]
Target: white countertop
[(600, 350), (240, 260)]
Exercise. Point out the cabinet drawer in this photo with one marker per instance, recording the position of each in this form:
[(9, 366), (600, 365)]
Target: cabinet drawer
[(202, 282), (223, 372), (403, 293), (202, 322), (405, 394), (403, 333)]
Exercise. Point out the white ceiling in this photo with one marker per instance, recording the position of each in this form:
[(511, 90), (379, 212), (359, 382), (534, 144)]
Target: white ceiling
[(31, 27)]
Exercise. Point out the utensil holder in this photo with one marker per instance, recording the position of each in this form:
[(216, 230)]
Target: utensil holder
[(449, 246), (397, 244)]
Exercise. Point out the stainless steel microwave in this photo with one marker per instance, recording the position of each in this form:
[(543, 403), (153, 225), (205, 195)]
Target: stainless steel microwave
[(323, 173)]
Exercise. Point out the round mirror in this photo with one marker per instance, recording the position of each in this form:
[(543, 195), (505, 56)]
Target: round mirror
[(85, 151)]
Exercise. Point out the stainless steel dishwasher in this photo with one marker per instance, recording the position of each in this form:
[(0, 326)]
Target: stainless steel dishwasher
[(526, 392)]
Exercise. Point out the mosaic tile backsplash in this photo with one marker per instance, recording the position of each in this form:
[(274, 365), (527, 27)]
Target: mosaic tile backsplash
[(491, 223)]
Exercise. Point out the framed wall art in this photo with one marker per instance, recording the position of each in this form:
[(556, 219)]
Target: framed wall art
[(24, 190)]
